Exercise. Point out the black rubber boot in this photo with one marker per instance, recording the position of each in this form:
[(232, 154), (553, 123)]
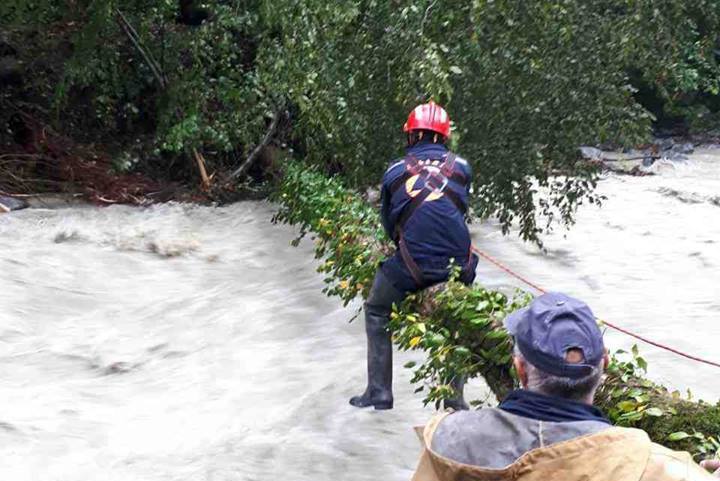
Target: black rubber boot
[(378, 393), (457, 403), (379, 363)]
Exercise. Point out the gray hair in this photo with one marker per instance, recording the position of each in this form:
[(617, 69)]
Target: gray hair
[(581, 389)]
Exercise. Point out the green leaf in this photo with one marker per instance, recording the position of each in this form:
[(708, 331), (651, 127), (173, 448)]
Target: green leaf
[(480, 322), (642, 363), (627, 406), (496, 334), (462, 351), (678, 436), (655, 412)]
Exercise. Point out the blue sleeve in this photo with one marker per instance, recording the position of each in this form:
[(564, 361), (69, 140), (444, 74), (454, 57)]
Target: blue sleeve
[(391, 174), (385, 211), (467, 171), (470, 179)]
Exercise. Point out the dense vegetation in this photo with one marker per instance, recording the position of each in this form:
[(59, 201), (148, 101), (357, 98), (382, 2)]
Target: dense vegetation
[(156, 82), (460, 328)]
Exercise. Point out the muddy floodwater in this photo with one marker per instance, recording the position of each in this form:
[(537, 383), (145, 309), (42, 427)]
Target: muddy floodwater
[(647, 260), (194, 343)]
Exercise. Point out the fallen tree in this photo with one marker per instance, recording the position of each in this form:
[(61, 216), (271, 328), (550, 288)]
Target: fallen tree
[(460, 328)]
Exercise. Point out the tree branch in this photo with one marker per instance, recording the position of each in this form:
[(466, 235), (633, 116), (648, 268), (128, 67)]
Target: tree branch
[(147, 55), (253, 155)]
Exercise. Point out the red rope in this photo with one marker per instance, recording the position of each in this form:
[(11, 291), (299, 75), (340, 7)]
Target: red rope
[(612, 326), (506, 269)]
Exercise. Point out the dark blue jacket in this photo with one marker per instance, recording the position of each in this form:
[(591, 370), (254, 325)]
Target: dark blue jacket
[(436, 231), (540, 407)]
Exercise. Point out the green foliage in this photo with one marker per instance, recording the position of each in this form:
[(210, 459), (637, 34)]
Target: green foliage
[(344, 228), (460, 327), (676, 54), (526, 82), (215, 90)]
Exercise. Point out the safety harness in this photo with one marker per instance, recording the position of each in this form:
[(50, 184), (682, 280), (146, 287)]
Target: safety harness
[(435, 175)]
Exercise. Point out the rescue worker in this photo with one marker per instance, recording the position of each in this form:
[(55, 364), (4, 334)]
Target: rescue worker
[(549, 429), (424, 200)]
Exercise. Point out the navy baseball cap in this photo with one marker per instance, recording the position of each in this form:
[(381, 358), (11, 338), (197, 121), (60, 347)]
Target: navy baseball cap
[(551, 325)]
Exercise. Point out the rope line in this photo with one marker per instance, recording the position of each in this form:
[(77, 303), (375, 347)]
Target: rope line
[(612, 326)]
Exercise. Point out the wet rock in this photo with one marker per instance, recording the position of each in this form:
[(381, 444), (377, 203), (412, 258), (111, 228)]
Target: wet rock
[(591, 153), (8, 204), (648, 161), (608, 146), (686, 148), (675, 156), (664, 144), (637, 154)]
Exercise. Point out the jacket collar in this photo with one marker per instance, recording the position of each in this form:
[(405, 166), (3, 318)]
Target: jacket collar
[(548, 408), (425, 150), (615, 453)]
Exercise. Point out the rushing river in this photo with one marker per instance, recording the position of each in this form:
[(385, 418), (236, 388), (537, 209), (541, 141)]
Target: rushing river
[(648, 260), (193, 343)]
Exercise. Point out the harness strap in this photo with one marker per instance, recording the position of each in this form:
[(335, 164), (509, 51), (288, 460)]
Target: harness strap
[(447, 171), (455, 199), (469, 264), (410, 263), (411, 168), (407, 212), (410, 209), (448, 166)]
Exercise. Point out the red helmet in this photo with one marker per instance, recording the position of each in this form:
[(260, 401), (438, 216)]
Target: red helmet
[(429, 116)]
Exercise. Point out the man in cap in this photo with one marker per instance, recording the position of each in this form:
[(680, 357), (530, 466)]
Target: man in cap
[(549, 429)]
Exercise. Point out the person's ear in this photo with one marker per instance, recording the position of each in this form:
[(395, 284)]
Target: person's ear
[(606, 359), (521, 371)]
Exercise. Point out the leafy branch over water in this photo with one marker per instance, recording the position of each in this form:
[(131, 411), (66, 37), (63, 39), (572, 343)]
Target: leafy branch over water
[(460, 327)]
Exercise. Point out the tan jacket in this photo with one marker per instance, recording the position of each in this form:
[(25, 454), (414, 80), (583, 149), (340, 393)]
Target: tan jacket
[(615, 454)]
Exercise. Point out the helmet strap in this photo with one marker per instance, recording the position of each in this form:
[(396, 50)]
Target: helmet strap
[(415, 136)]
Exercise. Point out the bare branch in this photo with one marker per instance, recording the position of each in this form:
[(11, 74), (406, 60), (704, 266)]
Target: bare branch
[(266, 140), (137, 42)]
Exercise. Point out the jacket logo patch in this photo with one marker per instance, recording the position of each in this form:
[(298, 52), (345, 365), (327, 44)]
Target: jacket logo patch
[(433, 180)]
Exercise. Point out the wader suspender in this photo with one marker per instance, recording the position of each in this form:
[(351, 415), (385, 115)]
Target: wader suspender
[(432, 183)]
